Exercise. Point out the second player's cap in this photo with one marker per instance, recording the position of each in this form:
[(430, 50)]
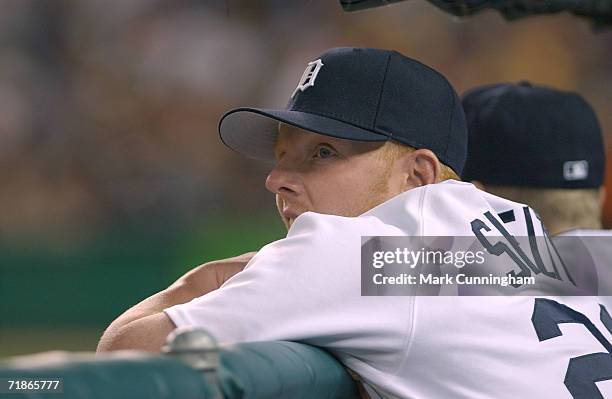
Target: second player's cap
[(364, 95), (532, 136)]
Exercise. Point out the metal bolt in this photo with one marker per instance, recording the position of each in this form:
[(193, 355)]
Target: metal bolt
[(193, 346)]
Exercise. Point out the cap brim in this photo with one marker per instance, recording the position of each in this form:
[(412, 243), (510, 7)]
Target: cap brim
[(252, 131)]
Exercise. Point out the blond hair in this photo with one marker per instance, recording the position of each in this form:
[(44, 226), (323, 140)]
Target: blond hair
[(560, 209), (393, 150)]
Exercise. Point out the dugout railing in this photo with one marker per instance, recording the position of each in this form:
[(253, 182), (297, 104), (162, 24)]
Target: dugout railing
[(249, 370)]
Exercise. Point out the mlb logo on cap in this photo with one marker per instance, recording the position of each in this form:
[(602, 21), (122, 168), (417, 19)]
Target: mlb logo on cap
[(575, 170)]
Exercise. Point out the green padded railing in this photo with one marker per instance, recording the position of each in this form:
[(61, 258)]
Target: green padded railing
[(283, 370), (260, 370)]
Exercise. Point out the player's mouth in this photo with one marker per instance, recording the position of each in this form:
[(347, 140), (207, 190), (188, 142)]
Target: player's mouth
[(291, 212), (288, 211)]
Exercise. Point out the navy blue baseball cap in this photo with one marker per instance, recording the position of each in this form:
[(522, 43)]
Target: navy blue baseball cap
[(365, 95), (532, 136)]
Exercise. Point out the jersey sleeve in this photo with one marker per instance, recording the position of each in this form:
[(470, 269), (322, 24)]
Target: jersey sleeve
[(307, 288)]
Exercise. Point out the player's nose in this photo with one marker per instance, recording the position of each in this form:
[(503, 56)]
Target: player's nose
[(282, 180)]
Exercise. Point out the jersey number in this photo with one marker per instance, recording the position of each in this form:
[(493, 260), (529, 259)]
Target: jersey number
[(583, 371)]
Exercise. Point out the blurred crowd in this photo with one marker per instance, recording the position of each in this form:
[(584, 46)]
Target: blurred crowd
[(109, 109)]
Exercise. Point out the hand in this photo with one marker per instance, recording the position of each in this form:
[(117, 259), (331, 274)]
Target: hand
[(211, 275)]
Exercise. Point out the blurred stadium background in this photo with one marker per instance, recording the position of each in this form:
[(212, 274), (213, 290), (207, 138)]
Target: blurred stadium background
[(114, 181)]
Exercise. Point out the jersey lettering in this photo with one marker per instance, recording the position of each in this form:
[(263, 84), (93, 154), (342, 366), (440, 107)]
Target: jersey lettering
[(527, 265)]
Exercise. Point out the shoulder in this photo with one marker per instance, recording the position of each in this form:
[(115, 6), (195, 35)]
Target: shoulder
[(455, 192), (317, 239), (325, 227), (449, 208)]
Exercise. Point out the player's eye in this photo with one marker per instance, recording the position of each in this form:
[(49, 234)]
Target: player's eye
[(324, 152)]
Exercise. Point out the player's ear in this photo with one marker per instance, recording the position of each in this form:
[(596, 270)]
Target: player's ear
[(425, 168)]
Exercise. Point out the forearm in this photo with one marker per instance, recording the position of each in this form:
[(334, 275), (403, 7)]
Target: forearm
[(146, 334), (177, 293), (145, 326)]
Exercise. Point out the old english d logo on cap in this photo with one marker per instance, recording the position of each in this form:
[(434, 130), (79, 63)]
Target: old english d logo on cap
[(309, 76)]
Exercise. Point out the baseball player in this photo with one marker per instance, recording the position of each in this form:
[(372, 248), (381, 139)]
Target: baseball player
[(370, 144), (544, 147)]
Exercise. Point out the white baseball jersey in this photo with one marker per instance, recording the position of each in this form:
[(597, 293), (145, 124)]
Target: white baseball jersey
[(590, 250), (306, 287)]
